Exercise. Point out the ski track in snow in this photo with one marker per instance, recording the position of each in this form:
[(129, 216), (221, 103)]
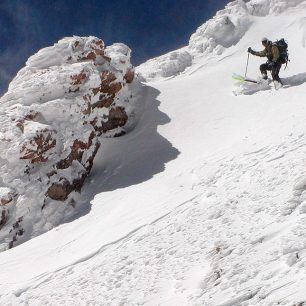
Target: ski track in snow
[(199, 254)]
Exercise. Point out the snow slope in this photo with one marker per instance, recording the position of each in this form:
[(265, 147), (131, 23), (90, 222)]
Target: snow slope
[(203, 204), (215, 36)]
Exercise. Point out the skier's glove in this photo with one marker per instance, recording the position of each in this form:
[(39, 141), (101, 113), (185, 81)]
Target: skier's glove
[(250, 50)]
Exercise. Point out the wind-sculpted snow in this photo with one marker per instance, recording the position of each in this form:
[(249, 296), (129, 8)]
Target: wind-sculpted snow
[(271, 7), (166, 65), (223, 31), (230, 25), (52, 116)]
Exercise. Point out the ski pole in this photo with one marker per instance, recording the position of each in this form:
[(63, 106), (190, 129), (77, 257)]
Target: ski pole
[(247, 65)]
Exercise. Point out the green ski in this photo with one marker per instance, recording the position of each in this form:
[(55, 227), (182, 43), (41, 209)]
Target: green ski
[(240, 78)]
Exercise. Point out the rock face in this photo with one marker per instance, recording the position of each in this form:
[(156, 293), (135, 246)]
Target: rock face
[(57, 108)]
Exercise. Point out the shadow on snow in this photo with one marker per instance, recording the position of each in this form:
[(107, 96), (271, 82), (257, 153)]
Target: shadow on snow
[(250, 88), (131, 159), (295, 80)]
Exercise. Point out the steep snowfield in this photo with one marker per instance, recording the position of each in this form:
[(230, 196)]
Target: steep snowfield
[(203, 204), (216, 35)]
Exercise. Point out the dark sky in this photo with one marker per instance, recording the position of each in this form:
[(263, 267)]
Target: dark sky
[(149, 27)]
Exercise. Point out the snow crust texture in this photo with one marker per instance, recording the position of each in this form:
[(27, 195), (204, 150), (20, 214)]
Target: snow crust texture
[(224, 30), (203, 204), (52, 116), (166, 65)]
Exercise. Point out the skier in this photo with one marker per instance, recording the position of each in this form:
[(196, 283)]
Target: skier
[(273, 64)]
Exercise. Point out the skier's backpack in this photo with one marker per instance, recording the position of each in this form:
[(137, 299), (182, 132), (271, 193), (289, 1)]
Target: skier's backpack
[(283, 51)]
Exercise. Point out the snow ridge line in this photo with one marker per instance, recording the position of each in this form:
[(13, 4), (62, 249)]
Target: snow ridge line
[(242, 298)]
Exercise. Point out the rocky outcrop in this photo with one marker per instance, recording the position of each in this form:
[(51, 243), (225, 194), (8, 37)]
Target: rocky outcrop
[(37, 147), (224, 30), (6, 196), (54, 114)]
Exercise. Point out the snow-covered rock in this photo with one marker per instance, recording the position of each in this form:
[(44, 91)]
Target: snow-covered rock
[(6, 196), (217, 34), (166, 65), (223, 31), (55, 109), (271, 7), (230, 24), (300, 183)]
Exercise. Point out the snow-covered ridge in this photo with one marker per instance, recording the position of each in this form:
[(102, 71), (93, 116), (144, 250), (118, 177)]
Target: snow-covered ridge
[(56, 108), (271, 7), (166, 65), (224, 30)]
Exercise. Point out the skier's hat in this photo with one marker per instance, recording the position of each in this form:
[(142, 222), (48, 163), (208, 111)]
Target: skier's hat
[(264, 40)]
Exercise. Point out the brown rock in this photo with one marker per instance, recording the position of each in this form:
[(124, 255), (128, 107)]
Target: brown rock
[(35, 148), (3, 218), (129, 76), (5, 201), (63, 172), (20, 125), (88, 165), (76, 152), (76, 45), (79, 78), (87, 110), (87, 98), (117, 118), (108, 59), (97, 44), (31, 115), (107, 77), (99, 52), (114, 88), (7, 198), (60, 191), (95, 90), (107, 83), (108, 87), (90, 56), (104, 102), (78, 148)]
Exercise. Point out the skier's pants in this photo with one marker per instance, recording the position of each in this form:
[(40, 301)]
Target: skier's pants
[(274, 70)]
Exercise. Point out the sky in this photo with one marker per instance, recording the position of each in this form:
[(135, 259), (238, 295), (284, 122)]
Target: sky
[(149, 28)]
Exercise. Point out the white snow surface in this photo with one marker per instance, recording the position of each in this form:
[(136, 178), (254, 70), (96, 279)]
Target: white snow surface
[(203, 204), (216, 35), (165, 66)]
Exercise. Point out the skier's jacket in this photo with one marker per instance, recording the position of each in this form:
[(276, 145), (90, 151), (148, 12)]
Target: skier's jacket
[(271, 52)]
